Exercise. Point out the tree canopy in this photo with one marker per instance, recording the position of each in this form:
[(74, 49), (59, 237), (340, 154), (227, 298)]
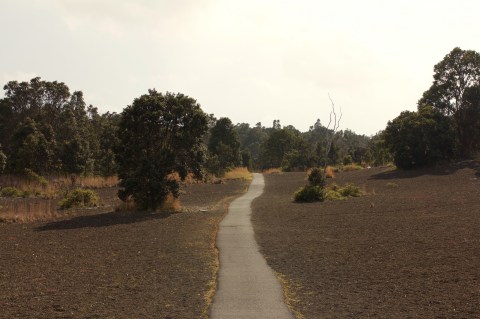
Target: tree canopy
[(159, 134)]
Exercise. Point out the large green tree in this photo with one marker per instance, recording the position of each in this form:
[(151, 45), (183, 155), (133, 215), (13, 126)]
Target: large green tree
[(420, 138), (159, 134), (453, 92)]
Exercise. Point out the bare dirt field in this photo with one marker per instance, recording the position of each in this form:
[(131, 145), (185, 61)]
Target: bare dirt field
[(408, 249), (103, 264)]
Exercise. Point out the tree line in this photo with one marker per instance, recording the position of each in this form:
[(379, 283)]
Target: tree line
[(48, 130)]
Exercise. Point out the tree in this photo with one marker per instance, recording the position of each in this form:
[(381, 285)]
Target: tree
[(3, 161), (159, 134), (458, 71), (420, 138), (279, 143), (224, 144), (30, 149), (456, 79)]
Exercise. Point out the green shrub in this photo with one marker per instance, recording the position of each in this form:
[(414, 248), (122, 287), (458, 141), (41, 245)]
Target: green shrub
[(317, 177), (350, 190), (310, 193), (334, 195), (11, 192), (392, 185), (79, 198), (336, 192)]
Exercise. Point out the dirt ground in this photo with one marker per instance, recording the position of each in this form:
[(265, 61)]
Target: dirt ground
[(409, 249), (103, 264)]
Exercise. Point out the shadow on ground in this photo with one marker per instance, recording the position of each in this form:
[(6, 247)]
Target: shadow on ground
[(103, 220), (438, 171)]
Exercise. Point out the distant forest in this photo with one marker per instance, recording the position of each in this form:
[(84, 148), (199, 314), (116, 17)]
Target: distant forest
[(49, 130)]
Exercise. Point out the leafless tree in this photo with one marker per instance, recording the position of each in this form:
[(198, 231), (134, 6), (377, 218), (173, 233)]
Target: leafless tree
[(336, 125)]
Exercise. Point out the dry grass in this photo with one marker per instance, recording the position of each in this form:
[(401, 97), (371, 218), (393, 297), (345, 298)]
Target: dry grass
[(20, 210), (171, 204), (42, 195), (190, 179), (239, 173), (56, 185), (330, 172), (272, 171)]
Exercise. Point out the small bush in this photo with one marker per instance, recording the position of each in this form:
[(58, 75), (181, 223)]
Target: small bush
[(350, 190), (392, 185), (336, 192), (310, 193), (80, 198), (11, 192), (317, 178), (334, 195)]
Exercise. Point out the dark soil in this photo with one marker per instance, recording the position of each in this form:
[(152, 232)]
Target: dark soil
[(409, 249), (104, 264)]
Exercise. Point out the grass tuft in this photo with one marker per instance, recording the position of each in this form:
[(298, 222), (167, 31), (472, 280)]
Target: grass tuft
[(272, 171), (329, 172)]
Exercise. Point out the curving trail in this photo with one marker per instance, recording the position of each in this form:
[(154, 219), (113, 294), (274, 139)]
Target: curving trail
[(247, 287)]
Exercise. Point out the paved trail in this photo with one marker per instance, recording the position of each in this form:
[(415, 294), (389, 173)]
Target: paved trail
[(247, 287)]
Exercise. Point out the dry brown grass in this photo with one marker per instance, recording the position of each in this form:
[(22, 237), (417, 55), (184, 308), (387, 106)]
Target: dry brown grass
[(330, 172), (22, 210), (239, 173), (190, 179), (56, 184), (272, 171), (42, 196), (171, 204)]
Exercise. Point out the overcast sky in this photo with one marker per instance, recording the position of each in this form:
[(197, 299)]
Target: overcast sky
[(249, 60)]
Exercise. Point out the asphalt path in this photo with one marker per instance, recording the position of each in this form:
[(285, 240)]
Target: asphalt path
[(247, 286)]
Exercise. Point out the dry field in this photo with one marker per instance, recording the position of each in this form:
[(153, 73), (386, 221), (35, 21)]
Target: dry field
[(96, 263), (408, 249)]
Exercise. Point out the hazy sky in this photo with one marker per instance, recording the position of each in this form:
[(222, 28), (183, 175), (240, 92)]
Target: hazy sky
[(252, 61)]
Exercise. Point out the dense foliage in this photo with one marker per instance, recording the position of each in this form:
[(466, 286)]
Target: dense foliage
[(420, 138), (47, 129), (447, 123), (223, 147)]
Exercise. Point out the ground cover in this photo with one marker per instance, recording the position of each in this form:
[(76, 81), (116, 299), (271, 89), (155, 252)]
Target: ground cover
[(408, 249), (97, 263)]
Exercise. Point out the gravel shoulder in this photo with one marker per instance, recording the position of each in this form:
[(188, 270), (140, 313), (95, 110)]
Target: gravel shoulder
[(409, 249)]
